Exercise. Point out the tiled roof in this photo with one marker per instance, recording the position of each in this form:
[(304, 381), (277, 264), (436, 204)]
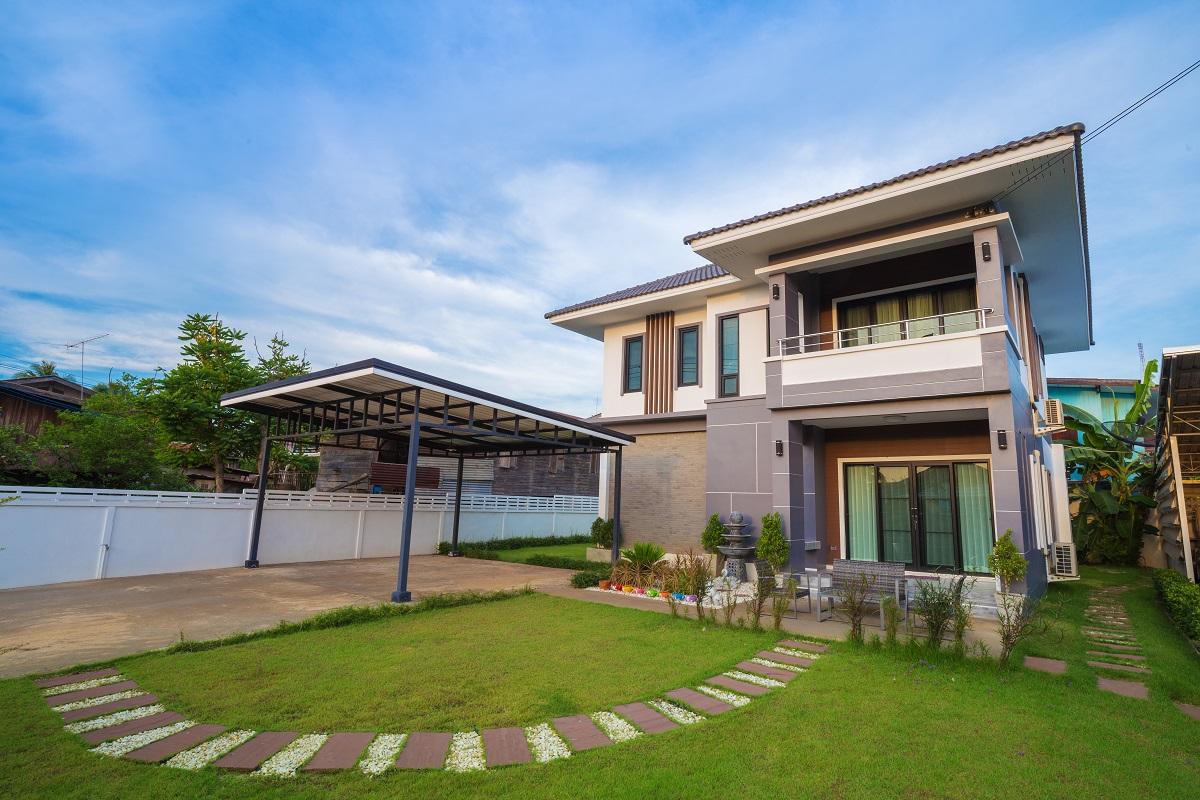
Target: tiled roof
[(1091, 382), (1076, 128), (701, 273)]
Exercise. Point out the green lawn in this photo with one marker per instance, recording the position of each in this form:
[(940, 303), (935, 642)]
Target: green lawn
[(863, 722), (577, 550)]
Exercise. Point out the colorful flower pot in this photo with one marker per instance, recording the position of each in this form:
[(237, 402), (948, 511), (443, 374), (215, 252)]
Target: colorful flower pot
[(616, 587), (652, 592), (603, 584), (640, 590), (680, 595), (627, 589), (691, 598)]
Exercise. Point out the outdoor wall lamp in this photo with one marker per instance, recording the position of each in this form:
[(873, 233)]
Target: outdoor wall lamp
[(774, 291), (1002, 439), (987, 251), (779, 447)]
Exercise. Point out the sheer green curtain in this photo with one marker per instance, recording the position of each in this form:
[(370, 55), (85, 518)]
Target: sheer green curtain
[(974, 514), (857, 318), (958, 308), (861, 524), (895, 508), (887, 319), (922, 304), (937, 515)]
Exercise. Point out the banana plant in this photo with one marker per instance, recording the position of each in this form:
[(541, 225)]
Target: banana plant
[(1117, 477)]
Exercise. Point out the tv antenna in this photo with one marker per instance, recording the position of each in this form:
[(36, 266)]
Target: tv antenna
[(82, 345), (1142, 356)]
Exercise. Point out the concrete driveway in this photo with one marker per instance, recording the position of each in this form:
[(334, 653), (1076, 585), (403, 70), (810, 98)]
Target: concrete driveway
[(45, 628)]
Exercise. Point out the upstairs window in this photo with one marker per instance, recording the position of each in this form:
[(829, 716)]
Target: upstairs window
[(632, 380), (689, 356), (727, 347), (915, 314)]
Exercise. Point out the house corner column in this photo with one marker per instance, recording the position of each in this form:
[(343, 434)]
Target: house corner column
[(991, 286)]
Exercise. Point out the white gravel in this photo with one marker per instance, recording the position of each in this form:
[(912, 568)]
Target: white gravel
[(127, 744), (382, 753), (204, 754), (98, 701), (777, 664), (113, 719), (614, 727), (676, 713), (738, 675), (790, 651), (291, 758), (466, 753), (72, 687), (734, 699), (545, 744)]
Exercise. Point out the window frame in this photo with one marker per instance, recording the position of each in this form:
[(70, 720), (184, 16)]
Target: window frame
[(625, 342), (679, 332), (720, 365)]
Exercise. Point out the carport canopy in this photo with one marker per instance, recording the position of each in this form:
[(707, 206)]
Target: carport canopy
[(378, 405)]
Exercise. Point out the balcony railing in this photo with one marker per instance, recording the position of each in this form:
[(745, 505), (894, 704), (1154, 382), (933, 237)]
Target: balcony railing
[(900, 331)]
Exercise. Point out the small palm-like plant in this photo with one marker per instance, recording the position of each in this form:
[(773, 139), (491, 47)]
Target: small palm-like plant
[(642, 560)]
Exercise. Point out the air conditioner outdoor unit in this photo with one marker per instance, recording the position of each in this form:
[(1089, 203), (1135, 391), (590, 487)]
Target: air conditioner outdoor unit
[(1064, 559), (1052, 414)]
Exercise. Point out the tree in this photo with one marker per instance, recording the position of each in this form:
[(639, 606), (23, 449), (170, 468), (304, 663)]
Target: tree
[(1116, 488), (279, 363), (188, 397), (113, 442), (17, 458), (771, 546), (713, 535), (42, 369)]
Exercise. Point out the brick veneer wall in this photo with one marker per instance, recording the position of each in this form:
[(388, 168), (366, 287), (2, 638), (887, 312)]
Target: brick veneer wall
[(531, 475), (662, 490)]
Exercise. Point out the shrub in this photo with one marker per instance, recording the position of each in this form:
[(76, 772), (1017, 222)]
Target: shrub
[(602, 532), (1017, 619), (696, 577), (853, 598), (562, 562), (937, 604), (891, 620), (486, 549), (588, 577), (772, 547), (1006, 562), (780, 602), (1182, 598), (712, 537)]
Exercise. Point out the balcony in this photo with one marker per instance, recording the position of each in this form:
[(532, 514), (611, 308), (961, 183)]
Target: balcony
[(913, 358)]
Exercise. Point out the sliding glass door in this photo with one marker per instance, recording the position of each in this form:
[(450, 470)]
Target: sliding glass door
[(935, 516)]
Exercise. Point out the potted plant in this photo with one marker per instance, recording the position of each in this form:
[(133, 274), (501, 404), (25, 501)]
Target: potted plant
[(604, 583), (772, 547), (711, 538), (1007, 564)]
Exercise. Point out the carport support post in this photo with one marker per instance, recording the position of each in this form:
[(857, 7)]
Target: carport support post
[(264, 463), (457, 507), (402, 594), (616, 518)]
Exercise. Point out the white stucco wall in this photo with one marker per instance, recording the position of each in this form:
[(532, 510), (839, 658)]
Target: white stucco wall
[(613, 403)]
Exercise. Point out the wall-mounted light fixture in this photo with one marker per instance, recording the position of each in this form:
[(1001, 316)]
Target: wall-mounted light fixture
[(1002, 439), (987, 251), (774, 291), (779, 447)]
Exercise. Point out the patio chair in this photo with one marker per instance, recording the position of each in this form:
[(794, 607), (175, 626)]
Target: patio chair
[(799, 586)]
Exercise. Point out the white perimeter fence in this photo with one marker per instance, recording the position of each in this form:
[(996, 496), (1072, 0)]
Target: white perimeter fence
[(53, 535)]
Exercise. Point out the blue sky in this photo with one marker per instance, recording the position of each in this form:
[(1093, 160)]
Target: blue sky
[(422, 182)]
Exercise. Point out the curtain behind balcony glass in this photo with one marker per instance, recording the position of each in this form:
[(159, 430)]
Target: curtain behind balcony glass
[(974, 515), (922, 304), (887, 310), (957, 306), (860, 512)]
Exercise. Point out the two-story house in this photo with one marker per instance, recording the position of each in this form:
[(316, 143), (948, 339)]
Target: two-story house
[(868, 364)]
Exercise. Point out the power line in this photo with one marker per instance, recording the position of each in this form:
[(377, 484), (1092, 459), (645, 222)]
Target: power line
[(1104, 126)]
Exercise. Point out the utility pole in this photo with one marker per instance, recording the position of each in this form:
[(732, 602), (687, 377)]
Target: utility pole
[(82, 345)]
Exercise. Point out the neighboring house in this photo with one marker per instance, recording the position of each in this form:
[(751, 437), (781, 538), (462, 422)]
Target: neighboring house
[(28, 402), (1107, 399), (1178, 452), (867, 364)]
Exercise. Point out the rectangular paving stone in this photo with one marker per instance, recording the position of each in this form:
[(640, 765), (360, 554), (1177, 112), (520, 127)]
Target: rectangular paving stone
[(741, 687), (580, 732), (251, 754), (505, 746), (645, 717), (784, 658), (1118, 667), (699, 701), (77, 677), (1189, 709), (340, 751), (159, 720), (767, 672), (175, 743), (796, 644), (137, 701), (1124, 648), (1132, 689), (1103, 654), (85, 694), (424, 751), (1051, 665)]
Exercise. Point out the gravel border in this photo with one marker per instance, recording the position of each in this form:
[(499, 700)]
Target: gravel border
[(791, 651), (204, 754), (747, 677), (99, 701), (725, 696), (291, 758), (113, 719), (675, 713), (545, 744), (776, 664), (127, 744), (614, 727), (466, 753), (74, 687), (382, 753)]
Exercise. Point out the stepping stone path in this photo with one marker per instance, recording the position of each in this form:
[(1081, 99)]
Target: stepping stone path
[(1051, 665), (1110, 633), (112, 713)]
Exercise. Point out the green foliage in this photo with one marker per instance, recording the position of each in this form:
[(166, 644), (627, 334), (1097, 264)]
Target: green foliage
[(42, 369), (278, 363), (711, 538), (1115, 492), (602, 532), (771, 546), (114, 442), (938, 605), (891, 620), (476, 549), (589, 577), (1006, 562), (852, 599), (643, 554), (562, 562), (1182, 598), (17, 455)]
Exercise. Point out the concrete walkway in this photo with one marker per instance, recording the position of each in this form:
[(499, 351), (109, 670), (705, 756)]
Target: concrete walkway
[(45, 628)]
